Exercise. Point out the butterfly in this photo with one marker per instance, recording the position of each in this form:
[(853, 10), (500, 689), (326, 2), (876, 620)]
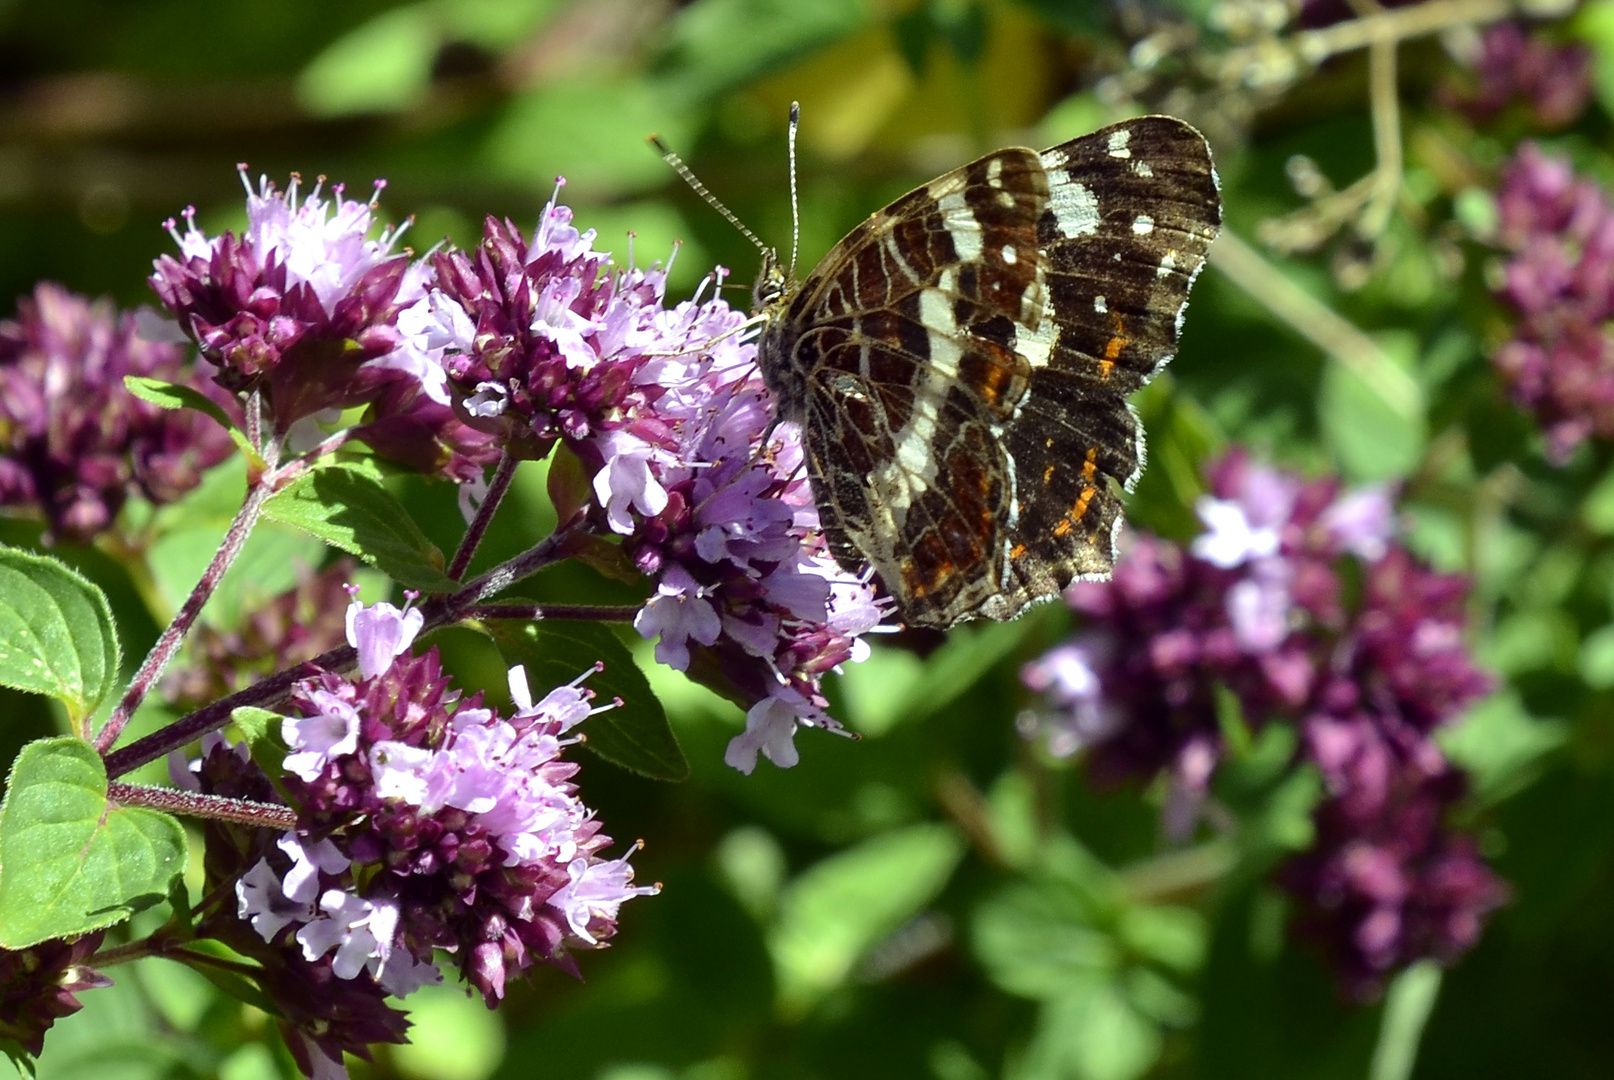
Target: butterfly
[(959, 364)]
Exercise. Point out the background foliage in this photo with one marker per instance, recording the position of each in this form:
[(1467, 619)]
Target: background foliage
[(938, 900)]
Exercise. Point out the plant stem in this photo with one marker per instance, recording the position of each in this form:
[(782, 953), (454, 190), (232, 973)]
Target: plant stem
[(502, 475), (1177, 874), (305, 461), (196, 804), (439, 611), (1318, 323), (215, 715), (168, 642), (548, 551)]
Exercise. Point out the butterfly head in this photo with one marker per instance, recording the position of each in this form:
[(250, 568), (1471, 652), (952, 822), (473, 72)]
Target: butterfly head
[(773, 285)]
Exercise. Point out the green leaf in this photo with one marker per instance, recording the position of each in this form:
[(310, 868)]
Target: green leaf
[(1594, 24), (56, 633), (590, 130), (382, 65), (167, 395), (1091, 1033), (717, 45), (1503, 748), (260, 730), (635, 736), (1038, 940), (70, 861), (255, 723), (838, 908), (350, 509), (229, 980)]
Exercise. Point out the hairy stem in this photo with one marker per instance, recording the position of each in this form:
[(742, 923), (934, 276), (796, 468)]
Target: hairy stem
[(215, 715), (502, 475), (196, 804), (439, 611), (547, 552), (168, 642)]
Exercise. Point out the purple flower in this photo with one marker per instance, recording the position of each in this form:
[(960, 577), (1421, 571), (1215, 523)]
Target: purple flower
[(302, 306), (1511, 64), (73, 441), (1067, 677), (428, 823), (380, 633), (770, 729), (1390, 883), (543, 342), (276, 883), (1559, 281), (1255, 607)]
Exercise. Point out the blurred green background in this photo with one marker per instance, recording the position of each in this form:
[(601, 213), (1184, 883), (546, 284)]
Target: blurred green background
[(938, 900)]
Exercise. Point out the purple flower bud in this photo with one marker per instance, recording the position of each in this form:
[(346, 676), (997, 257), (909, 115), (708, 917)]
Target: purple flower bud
[(1553, 81), (39, 986)]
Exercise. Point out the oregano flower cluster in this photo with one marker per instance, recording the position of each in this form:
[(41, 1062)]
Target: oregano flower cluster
[(1299, 601)]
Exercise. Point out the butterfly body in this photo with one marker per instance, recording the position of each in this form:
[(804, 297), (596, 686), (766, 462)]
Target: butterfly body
[(959, 364)]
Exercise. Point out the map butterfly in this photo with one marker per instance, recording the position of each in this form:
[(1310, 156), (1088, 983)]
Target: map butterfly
[(959, 364)]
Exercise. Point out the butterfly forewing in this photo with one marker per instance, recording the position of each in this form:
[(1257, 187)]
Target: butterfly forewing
[(959, 364)]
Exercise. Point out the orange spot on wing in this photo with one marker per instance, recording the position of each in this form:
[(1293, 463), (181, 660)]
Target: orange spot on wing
[(1080, 508), (1064, 527), (1113, 347), (1090, 466), (1048, 474), (1017, 551)]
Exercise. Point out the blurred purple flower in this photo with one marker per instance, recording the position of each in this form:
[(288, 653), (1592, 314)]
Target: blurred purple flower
[(1512, 64), (1559, 280), (74, 442), (1256, 607), (294, 627)]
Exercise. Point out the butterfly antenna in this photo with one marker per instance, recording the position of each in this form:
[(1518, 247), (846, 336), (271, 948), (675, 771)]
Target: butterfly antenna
[(795, 210), (678, 166)]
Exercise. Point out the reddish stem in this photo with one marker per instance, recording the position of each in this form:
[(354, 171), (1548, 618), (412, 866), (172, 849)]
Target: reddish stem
[(502, 475), (196, 804), (438, 611), (168, 642)]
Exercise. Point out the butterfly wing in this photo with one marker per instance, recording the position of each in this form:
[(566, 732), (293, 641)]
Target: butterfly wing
[(960, 372)]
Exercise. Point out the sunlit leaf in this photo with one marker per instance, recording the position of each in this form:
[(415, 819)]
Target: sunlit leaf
[(56, 633), (70, 861), (350, 509)]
